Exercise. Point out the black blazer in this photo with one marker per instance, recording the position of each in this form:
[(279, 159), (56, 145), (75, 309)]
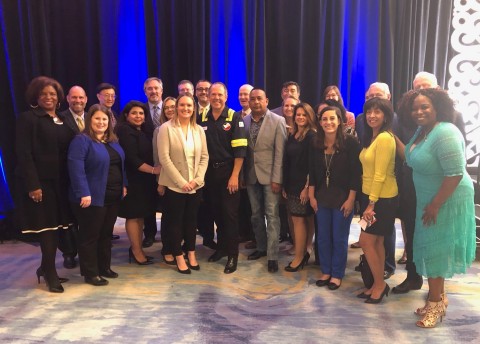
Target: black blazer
[(38, 149), (69, 120)]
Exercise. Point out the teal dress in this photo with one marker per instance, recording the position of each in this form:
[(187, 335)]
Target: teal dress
[(447, 247)]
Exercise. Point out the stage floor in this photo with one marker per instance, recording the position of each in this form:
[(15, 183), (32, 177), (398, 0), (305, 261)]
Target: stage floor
[(156, 304)]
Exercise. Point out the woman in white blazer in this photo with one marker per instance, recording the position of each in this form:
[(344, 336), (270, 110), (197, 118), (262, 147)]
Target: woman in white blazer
[(182, 152)]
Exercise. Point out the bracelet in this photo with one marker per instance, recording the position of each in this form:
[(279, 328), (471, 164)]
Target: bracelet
[(371, 202), (153, 168)]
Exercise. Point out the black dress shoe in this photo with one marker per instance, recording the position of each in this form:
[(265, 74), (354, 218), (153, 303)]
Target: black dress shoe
[(69, 262), (109, 273), (231, 264), (272, 265), (407, 285), (147, 242), (210, 244), (388, 274), (96, 281), (322, 283), (217, 256), (333, 286), (115, 237), (257, 255)]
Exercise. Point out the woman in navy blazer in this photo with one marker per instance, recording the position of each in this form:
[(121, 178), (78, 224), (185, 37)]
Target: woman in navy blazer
[(98, 182)]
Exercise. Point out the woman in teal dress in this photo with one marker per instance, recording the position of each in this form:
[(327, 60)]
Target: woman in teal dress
[(444, 241)]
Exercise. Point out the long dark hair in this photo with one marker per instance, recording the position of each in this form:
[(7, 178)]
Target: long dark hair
[(339, 136), (311, 122), (109, 135), (383, 105)]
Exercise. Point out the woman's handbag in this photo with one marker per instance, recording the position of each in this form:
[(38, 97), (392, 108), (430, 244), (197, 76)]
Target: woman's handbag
[(367, 275)]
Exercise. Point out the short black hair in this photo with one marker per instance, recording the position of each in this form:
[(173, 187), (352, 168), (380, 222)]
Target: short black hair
[(105, 86)]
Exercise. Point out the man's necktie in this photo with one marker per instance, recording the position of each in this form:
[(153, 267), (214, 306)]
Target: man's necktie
[(156, 116), (80, 123)]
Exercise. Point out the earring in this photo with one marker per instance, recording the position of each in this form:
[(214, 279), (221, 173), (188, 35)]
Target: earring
[(58, 106)]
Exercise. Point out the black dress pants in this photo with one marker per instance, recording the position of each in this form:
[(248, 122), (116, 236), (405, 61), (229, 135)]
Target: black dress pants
[(182, 219), (408, 205), (224, 207), (68, 241), (205, 221), (95, 228)]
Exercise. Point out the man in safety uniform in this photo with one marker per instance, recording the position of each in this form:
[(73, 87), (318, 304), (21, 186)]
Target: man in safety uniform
[(227, 147)]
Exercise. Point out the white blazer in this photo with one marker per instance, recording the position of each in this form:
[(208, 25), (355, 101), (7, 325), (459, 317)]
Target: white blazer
[(171, 154)]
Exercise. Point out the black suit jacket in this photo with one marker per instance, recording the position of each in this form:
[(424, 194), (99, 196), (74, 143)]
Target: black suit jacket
[(70, 121)]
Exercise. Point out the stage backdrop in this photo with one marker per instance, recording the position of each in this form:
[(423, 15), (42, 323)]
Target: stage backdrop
[(350, 43)]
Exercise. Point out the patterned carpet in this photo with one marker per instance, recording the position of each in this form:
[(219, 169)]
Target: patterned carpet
[(156, 304)]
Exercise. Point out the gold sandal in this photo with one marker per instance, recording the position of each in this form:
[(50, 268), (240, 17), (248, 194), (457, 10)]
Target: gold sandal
[(421, 311), (434, 311)]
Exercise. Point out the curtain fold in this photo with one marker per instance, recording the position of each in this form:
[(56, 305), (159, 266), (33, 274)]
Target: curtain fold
[(350, 43)]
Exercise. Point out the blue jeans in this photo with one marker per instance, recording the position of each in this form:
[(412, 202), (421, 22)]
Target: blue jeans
[(265, 204), (332, 240)]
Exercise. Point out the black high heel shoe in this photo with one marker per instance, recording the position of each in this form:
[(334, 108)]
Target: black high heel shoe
[(54, 285), (304, 262), (40, 273), (306, 258), (376, 301), (193, 267), (132, 256), (185, 272), (169, 262)]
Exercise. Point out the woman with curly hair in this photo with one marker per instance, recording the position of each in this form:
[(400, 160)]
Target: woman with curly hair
[(42, 140), (444, 240)]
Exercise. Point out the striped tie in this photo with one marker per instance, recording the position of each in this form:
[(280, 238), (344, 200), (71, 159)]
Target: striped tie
[(156, 116), (80, 124)]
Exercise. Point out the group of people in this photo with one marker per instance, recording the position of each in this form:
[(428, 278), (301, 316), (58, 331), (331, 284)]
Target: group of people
[(82, 170)]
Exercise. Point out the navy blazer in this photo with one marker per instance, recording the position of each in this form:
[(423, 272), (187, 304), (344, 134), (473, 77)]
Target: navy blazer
[(88, 165)]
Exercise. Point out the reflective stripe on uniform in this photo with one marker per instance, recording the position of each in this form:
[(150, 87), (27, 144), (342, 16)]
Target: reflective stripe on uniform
[(239, 143), (228, 119)]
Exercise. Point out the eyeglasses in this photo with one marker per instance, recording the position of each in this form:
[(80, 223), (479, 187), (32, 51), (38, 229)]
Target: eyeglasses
[(203, 89), (108, 95)]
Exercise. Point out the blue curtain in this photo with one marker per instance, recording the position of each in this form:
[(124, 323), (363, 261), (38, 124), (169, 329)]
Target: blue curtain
[(350, 43)]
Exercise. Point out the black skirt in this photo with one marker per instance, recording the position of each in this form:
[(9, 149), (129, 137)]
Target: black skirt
[(52, 213)]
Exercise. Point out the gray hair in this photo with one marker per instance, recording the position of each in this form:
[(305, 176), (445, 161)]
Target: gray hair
[(429, 76), (154, 78)]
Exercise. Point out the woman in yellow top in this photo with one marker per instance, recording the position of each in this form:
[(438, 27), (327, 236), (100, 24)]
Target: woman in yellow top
[(379, 191)]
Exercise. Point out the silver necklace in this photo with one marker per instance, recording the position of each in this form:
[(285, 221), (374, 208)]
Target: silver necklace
[(327, 165)]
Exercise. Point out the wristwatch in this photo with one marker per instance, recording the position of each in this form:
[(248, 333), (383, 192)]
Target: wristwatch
[(371, 202)]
